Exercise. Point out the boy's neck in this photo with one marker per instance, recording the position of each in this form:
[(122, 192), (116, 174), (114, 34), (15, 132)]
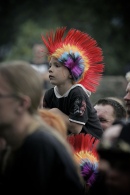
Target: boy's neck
[(62, 89)]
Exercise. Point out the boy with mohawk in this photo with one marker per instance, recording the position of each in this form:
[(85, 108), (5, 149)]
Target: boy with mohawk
[(75, 70)]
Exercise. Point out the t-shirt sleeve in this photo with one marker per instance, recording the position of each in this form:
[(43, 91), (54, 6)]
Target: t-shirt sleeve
[(79, 108)]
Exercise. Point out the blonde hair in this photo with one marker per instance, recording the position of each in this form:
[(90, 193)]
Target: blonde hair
[(54, 120), (23, 80)]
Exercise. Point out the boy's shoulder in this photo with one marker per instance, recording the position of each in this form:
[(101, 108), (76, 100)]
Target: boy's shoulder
[(79, 90)]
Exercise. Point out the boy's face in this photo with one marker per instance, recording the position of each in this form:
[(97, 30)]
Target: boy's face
[(58, 73)]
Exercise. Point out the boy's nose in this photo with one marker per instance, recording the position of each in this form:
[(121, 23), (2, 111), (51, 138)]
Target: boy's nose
[(50, 69)]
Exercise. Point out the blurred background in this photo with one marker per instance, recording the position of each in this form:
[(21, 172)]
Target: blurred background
[(23, 22)]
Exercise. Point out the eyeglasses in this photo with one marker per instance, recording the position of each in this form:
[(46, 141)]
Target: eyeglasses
[(2, 96)]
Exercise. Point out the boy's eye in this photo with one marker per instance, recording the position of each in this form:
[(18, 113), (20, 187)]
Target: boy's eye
[(57, 65)]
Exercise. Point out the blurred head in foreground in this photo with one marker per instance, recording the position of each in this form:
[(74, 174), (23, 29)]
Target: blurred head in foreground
[(114, 157), (20, 93), (54, 120)]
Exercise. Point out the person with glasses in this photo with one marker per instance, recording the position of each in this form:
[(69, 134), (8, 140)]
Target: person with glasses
[(38, 160)]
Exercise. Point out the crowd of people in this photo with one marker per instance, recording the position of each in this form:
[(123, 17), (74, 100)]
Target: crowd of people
[(58, 141)]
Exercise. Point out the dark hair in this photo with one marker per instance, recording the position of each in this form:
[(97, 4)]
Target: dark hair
[(119, 110)]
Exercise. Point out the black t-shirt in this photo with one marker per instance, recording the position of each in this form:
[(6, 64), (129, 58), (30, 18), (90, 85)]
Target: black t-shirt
[(76, 104), (42, 166)]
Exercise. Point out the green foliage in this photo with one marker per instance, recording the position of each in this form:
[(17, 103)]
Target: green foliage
[(106, 21), (29, 34)]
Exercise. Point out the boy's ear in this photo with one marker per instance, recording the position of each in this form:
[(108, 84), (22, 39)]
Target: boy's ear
[(70, 76)]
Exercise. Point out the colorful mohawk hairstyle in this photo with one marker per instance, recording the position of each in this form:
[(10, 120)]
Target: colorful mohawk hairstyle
[(79, 53), (84, 146)]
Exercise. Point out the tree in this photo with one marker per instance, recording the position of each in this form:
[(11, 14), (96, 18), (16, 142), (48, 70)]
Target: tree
[(106, 21)]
